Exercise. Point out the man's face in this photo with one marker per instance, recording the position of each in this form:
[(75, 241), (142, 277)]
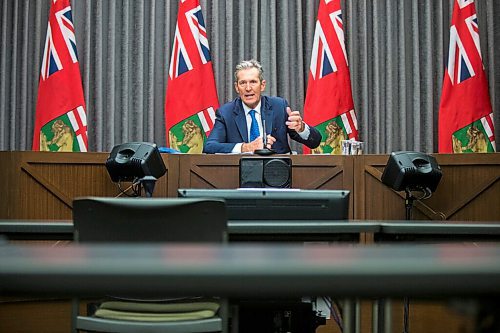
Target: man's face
[(249, 86)]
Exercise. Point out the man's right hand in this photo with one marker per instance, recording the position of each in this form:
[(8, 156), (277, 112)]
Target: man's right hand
[(250, 147)]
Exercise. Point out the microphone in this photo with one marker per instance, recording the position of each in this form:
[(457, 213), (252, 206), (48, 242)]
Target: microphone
[(265, 150), (264, 138)]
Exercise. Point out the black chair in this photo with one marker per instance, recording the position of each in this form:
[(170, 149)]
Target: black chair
[(147, 220)]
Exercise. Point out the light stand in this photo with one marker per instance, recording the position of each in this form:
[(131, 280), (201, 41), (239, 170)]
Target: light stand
[(148, 182), (411, 171), (409, 199), (409, 204)]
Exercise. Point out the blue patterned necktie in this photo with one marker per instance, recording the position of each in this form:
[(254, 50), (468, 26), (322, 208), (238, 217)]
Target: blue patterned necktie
[(254, 127)]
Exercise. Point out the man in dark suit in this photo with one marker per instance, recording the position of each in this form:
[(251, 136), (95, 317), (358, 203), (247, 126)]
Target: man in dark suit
[(233, 132)]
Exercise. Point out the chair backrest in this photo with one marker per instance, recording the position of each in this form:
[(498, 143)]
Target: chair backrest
[(104, 219), (98, 219)]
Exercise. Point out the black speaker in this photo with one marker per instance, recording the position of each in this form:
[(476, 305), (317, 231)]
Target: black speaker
[(135, 160), (411, 170), (259, 172)]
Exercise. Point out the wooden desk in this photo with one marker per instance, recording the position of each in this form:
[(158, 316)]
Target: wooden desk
[(431, 232), (42, 185), (298, 231), (241, 230), (36, 230)]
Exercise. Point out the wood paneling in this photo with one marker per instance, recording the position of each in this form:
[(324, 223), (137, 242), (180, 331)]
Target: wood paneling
[(50, 316), (468, 191), (308, 172), (42, 185), (209, 171)]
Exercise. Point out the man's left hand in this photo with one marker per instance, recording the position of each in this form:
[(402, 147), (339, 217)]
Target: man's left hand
[(294, 120)]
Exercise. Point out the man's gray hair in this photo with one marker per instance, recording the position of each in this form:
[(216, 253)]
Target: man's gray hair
[(247, 64)]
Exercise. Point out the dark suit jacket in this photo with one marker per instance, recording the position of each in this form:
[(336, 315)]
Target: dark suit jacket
[(231, 127)]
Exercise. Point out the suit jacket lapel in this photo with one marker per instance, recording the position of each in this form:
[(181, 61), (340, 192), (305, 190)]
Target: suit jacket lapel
[(240, 119)]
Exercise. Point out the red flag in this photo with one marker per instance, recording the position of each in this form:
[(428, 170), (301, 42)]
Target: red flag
[(61, 121), (191, 94), (465, 113), (329, 105)]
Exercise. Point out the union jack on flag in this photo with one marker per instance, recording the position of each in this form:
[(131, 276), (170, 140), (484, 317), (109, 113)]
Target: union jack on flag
[(180, 61), (338, 25), (465, 112), (329, 106), (473, 27), (322, 62), (60, 38), (459, 65), (195, 19)]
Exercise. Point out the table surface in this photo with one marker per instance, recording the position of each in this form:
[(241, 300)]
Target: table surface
[(300, 226), (444, 270)]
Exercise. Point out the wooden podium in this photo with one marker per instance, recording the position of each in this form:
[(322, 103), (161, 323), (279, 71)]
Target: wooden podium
[(42, 185)]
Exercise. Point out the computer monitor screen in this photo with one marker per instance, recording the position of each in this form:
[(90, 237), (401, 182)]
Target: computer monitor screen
[(278, 204)]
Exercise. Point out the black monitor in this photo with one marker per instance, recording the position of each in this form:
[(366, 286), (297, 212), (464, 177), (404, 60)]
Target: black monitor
[(278, 204)]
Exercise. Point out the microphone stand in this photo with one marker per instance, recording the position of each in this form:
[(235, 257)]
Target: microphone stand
[(265, 151)]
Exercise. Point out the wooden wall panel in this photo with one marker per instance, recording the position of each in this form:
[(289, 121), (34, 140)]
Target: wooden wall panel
[(209, 171), (53, 180), (326, 172), (42, 185), (9, 183), (32, 315), (308, 172), (469, 187)]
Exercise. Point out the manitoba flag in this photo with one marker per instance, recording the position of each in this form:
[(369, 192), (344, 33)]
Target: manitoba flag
[(465, 113), (191, 98), (329, 106), (60, 121)]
